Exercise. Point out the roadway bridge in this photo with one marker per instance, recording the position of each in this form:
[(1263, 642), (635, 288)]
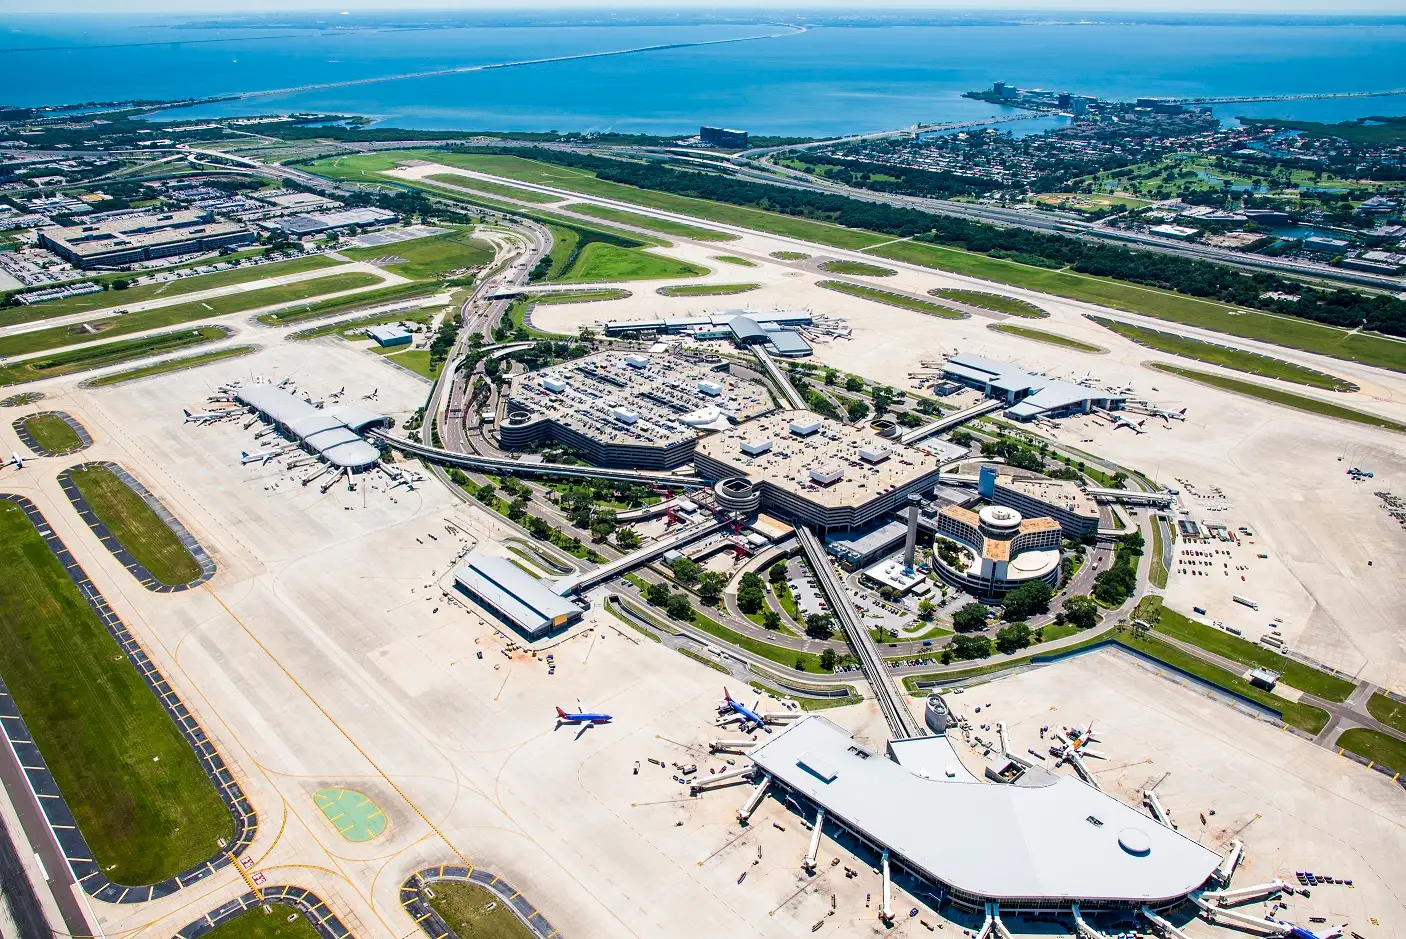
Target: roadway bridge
[(901, 721), (490, 464), (783, 384), (948, 421), (588, 579)]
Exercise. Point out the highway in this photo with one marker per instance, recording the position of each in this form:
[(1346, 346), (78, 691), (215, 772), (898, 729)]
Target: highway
[(901, 722)]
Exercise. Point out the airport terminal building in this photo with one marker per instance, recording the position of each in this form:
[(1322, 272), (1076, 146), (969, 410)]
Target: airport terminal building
[(1026, 394)]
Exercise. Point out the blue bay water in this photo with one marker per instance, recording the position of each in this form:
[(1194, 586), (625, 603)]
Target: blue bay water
[(827, 80)]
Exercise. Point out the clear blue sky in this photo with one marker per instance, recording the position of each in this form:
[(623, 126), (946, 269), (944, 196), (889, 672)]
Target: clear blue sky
[(1145, 6)]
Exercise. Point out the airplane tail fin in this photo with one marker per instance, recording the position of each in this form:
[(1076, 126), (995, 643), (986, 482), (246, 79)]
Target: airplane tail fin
[(726, 697), (561, 714), (187, 413)]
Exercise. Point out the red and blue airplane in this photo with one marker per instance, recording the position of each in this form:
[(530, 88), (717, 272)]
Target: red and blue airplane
[(582, 718), (747, 714)]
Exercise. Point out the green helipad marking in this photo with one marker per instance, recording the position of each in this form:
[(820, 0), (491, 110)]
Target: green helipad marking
[(352, 813)]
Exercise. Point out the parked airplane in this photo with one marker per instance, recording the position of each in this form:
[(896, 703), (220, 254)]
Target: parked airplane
[(205, 417), (338, 393), (372, 395), (16, 459), (1124, 422), (262, 457), (1298, 932), (742, 711), (583, 718)]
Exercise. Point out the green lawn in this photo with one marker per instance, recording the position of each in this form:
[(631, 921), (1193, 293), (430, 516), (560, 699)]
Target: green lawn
[(766, 650), (1216, 354), (1293, 673), (789, 255), (348, 329), (474, 913), (369, 298), (1389, 712), (429, 258), (110, 299), (59, 336), (52, 433), (497, 189), (140, 796), (1040, 335), (706, 290), (1278, 396), (600, 261), (1157, 572), (734, 259), (580, 296), (417, 360), (990, 301), (172, 365), (1375, 746), (284, 922), (858, 268), (111, 353), (890, 298), (134, 524), (662, 225)]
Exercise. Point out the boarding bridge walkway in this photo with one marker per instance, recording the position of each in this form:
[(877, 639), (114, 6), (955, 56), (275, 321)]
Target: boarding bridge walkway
[(783, 384), (895, 710), (1131, 496), (949, 421), (588, 579), (490, 464)]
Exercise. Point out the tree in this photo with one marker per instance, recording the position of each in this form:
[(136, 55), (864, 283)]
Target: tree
[(586, 335), (971, 647), (1081, 612), (1119, 480), (777, 574), (856, 409), (819, 625), (539, 527), (828, 659), (686, 571), (961, 438), (1013, 638), (1134, 542), (831, 376), (517, 509), (969, 618), (627, 539), (657, 594), (678, 606), (926, 610), (750, 599), (1027, 600), (771, 619), (854, 383), (750, 579), (486, 493), (710, 587)]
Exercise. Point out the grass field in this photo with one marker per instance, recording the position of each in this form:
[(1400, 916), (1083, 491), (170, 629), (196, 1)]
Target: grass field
[(1277, 396), (429, 258), (1389, 712), (790, 255), (1293, 333), (990, 301), (136, 526), (111, 353), (1292, 673), (474, 913), (172, 365), (580, 296), (1157, 572), (256, 924), (892, 299), (706, 290), (661, 225), (734, 259), (1040, 335), (139, 794), (599, 261), (110, 299), (347, 329), (497, 189), (1214, 354), (857, 268), (1375, 746), (417, 360), (59, 336), (369, 298), (53, 433)]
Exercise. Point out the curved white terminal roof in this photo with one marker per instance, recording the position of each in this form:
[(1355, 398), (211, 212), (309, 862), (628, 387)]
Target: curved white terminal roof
[(330, 433), (1060, 840)]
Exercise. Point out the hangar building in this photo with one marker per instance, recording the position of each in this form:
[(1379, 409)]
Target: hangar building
[(516, 597)]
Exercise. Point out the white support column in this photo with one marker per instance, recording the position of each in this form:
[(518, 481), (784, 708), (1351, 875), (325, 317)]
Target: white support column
[(814, 849), (753, 800)]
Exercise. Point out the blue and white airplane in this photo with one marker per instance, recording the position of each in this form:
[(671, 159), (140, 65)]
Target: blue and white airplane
[(748, 715), (581, 717)]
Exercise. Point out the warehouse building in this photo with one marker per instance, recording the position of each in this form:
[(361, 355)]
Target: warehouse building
[(122, 241), (301, 226), (1059, 499), (514, 596), (1026, 395), (332, 433), (635, 410), (808, 468), (1044, 842)]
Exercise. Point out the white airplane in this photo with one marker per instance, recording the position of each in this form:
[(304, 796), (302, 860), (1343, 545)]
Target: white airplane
[(285, 382), (372, 395), (1124, 422), (262, 457), (1167, 415), (339, 392), (16, 459), (205, 417)]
